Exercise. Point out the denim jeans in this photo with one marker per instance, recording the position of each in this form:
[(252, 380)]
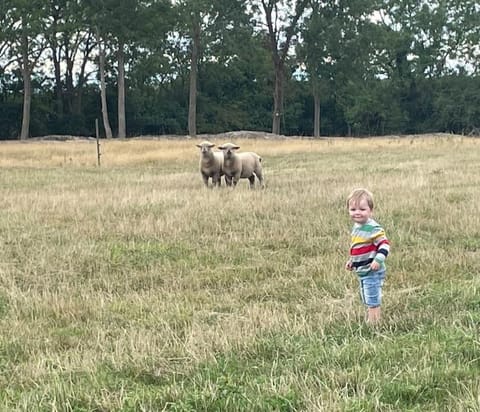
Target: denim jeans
[(371, 288)]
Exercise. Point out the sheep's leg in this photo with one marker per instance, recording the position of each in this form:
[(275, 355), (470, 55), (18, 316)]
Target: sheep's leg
[(260, 180), (235, 179), (216, 179), (251, 179), (259, 174), (228, 180), (205, 179)]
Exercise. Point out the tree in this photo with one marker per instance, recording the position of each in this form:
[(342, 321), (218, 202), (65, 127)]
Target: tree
[(71, 43), (431, 37), (103, 85), (206, 26), (425, 40), (337, 48), (127, 26), (282, 25), (23, 25), (406, 68)]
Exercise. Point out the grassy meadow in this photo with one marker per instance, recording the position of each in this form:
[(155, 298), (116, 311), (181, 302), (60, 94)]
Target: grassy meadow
[(131, 287)]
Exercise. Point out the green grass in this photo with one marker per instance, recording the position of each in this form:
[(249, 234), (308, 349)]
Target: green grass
[(130, 287)]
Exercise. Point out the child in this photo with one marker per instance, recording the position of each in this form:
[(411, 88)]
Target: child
[(368, 251)]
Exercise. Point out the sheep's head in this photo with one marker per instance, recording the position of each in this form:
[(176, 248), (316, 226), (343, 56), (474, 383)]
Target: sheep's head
[(228, 149), (205, 147)]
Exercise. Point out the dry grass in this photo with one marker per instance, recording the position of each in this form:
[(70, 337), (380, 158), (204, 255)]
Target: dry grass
[(154, 151), (131, 287)]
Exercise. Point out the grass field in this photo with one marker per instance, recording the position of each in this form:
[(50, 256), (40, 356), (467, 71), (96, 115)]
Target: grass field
[(131, 287)]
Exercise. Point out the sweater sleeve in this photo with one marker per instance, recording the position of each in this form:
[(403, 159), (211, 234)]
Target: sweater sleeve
[(382, 244)]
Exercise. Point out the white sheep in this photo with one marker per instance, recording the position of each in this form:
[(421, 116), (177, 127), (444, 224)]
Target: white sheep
[(238, 166), (211, 163)]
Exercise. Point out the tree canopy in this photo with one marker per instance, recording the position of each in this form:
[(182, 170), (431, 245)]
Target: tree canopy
[(357, 67)]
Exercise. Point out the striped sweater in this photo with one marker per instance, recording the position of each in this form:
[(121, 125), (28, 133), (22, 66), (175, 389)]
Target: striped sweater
[(369, 243)]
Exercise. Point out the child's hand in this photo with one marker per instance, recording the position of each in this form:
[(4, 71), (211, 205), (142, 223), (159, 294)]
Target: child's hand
[(374, 266), (348, 265)]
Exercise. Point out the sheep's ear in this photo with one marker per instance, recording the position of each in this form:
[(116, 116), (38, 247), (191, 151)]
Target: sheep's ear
[(221, 147), (235, 147), (211, 145), (198, 145)]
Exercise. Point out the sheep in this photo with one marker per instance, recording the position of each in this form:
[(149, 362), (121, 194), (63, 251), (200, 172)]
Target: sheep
[(238, 166), (211, 164)]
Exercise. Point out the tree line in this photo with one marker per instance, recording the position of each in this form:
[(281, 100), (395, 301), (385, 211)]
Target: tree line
[(310, 67)]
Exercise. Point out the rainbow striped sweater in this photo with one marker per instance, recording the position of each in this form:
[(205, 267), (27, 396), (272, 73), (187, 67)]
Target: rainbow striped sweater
[(369, 243)]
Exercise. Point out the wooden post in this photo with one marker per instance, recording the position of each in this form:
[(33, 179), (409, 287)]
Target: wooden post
[(98, 142)]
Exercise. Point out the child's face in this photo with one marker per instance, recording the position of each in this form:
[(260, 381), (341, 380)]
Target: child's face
[(359, 211)]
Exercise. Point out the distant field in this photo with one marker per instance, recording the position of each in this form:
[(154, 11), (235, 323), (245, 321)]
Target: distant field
[(131, 287)]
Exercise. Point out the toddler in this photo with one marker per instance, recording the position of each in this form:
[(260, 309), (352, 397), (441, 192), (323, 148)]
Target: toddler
[(368, 250)]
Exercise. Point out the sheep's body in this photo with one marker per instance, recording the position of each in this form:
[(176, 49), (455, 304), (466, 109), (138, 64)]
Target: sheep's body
[(211, 164), (238, 166)]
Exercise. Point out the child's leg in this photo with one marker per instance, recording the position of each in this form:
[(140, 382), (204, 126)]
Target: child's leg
[(371, 293), (373, 315)]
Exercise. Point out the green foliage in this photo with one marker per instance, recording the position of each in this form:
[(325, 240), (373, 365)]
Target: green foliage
[(414, 71)]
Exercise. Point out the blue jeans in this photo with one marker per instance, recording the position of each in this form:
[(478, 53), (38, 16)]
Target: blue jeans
[(371, 288)]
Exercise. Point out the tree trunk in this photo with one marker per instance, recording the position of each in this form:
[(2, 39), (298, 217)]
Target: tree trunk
[(316, 115), (278, 97), (89, 45), (279, 50), (58, 83), (56, 56), (69, 64), (192, 103), (27, 90), (121, 92), (27, 100), (103, 88)]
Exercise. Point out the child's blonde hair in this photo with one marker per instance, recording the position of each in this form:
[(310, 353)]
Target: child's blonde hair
[(359, 194)]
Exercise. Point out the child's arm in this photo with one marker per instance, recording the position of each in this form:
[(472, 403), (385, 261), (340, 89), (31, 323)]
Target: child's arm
[(383, 249)]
